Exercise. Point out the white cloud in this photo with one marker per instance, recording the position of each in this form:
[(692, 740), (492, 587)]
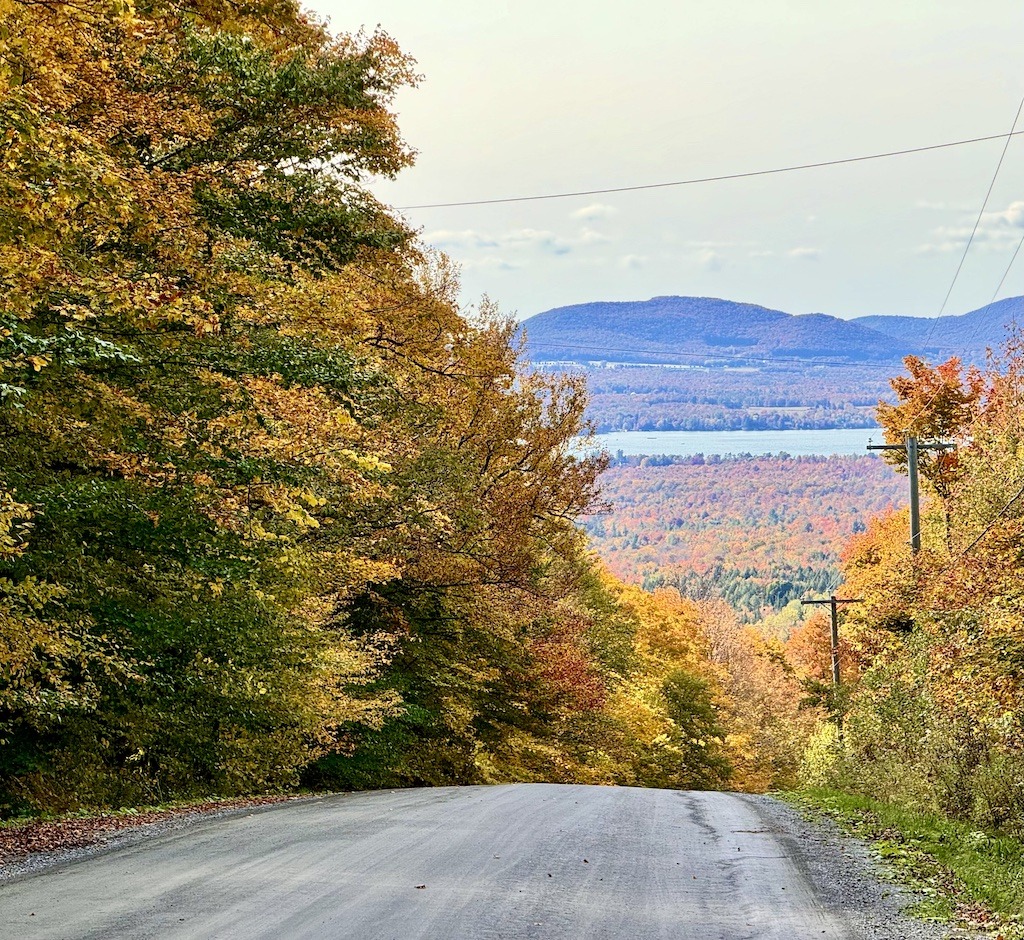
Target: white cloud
[(594, 211), (715, 245), (632, 261), (545, 241), (465, 238), (588, 236), (523, 239), (709, 259), (492, 263), (804, 254), (1012, 216), (761, 253), (984, 233), (996, 231)]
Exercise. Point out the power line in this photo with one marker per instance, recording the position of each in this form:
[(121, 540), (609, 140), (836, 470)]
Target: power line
[(956, 559), (991, 523), (716, 179), (981, 212), (1007, 271), (1013, 133)]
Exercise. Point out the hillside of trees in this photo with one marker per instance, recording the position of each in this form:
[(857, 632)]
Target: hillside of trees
[(273, 511), (968, 335), (758, 532), (933, 703), (930, 712), (688, 329), (637, 398)]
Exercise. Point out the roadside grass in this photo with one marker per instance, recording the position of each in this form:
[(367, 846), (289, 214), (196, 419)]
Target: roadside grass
[(961, 873)]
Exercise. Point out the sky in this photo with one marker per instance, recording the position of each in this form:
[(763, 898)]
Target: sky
[(531, 97)]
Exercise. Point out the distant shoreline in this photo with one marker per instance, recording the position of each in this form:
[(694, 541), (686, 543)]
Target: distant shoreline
[(823, 443)]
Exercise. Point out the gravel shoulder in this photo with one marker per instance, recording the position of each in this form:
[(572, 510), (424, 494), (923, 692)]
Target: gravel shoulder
[(850, 879)]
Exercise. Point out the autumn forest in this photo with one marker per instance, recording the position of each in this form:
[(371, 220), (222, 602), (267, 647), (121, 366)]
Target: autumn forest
[(279, 511)]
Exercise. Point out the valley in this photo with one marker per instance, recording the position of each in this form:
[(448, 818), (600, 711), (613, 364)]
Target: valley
[(758, 532), (706, 364)]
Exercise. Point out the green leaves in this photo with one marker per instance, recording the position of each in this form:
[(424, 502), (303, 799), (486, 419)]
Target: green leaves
[(270, 504), (319, 106)]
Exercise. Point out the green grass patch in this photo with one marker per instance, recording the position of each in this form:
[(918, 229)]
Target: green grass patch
[(960, 872)]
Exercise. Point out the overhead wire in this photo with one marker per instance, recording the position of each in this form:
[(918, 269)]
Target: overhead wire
[(991, 523), (776, 171), (1006, 273), (713, 179), (967, 247), (979, 414), (984, 205), (1007, 138)]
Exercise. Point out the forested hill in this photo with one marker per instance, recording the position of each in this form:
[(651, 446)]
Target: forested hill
[(689, 330), (966, 335)]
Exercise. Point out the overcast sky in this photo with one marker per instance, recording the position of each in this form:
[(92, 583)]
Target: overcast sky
[(540, 96)]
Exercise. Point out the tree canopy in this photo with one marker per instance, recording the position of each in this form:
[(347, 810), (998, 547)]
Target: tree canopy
[(273, 507)]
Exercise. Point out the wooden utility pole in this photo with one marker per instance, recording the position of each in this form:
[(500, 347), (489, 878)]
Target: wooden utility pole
[(912, 448), (834, 603)]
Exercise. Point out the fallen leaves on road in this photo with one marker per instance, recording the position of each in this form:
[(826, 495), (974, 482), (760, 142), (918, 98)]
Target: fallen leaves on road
[(18, 840)]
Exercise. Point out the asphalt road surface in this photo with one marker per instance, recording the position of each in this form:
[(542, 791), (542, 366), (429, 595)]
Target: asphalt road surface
[(462, 863)]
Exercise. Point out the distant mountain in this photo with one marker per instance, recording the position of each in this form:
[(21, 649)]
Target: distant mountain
[(967, 335), (691, 330)]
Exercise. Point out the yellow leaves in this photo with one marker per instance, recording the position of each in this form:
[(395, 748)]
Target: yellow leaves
[(289, 435), (38, 362), (301, 518), (206, 325), (323, 308), (297, 425), (14, 522), (369, 463), (636, 706)]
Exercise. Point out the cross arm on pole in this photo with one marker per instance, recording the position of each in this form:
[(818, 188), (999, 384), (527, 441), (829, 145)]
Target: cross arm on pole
[(935, 445), (912, 448), (834, 602)]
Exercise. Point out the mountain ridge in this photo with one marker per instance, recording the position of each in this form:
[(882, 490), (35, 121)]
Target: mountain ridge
[(679, 330)]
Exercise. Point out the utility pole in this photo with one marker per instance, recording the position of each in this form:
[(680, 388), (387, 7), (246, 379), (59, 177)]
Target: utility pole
[(834, 603), (912, 447)]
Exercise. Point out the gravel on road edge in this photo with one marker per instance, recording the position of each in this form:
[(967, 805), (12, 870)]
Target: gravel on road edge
[(850, 878)]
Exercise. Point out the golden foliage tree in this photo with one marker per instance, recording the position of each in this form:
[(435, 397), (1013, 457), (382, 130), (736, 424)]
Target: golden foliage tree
[(271, 504), (935, 717)]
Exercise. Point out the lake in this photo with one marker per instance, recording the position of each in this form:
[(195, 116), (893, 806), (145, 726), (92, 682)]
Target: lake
[(687, 443)]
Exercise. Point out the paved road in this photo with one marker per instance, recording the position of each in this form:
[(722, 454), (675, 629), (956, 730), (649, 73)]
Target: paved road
[(475, 863)]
